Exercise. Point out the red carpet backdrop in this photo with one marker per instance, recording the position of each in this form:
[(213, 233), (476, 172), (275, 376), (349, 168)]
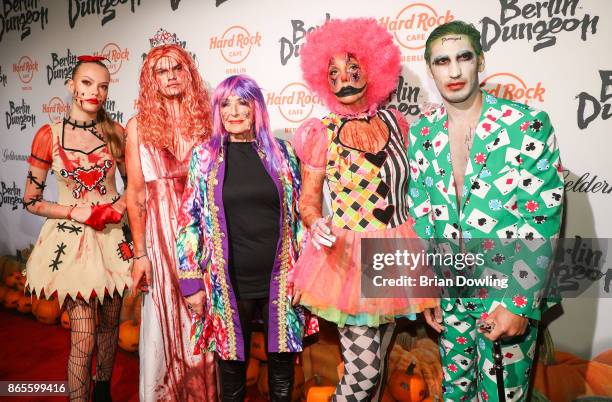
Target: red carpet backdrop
[(554, 55)]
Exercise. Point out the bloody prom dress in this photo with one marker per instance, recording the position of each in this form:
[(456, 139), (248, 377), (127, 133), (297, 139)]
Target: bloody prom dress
[(168, 368)]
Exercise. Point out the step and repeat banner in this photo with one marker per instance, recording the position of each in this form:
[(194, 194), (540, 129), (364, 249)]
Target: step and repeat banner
[(554, 55)]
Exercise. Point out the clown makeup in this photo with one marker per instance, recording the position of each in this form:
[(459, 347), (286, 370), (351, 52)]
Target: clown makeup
[(454, 67), (171, 76), (89, 88), (237, 116), (347, 79)]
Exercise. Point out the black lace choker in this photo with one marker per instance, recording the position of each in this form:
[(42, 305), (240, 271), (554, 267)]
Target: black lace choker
[(80, 124)]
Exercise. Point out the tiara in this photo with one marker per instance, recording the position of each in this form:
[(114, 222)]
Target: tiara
[(163, 37)]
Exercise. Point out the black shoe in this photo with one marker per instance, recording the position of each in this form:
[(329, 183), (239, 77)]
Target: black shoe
[(101, 392)]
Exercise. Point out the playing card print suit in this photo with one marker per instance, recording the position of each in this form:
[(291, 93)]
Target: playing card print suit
[(518, 191)]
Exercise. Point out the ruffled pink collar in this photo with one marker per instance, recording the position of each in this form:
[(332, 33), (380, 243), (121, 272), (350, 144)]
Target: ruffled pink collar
[(347, 114)]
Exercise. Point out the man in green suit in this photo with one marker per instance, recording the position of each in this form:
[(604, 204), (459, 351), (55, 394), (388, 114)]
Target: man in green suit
[(485, 178)]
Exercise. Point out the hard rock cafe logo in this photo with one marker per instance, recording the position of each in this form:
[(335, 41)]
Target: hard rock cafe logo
[(18, 16), (56, 109), (10, 195), (115, 56), (543, 20), (20, 115), (295, 102), (2, 77), (414, 22), (290, 47), (235, 44), (590, 107), (61, 66), (512, 87), (25, 69)]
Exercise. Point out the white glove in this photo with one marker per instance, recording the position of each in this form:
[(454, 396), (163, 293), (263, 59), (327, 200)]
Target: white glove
[(320, 233)]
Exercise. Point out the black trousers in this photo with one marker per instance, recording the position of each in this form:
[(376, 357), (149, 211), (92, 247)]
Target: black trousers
[(280, 365)]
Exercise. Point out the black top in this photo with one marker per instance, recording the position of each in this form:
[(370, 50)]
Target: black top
[(252, 212)]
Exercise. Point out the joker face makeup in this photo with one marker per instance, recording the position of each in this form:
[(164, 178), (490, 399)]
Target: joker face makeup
[(171, 76), (237, 115), (347, 79), (454, 68), (89, 88)]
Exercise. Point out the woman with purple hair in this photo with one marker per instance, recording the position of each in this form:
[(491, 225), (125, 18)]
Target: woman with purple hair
[(239, 237)]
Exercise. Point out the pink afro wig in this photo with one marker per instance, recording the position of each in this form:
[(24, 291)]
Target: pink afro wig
[(364, 38)]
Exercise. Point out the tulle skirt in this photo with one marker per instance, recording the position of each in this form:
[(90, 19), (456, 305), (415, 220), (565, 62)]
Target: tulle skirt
[(330, 281)]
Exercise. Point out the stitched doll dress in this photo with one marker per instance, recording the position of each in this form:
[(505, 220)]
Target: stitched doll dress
[(71, 259)]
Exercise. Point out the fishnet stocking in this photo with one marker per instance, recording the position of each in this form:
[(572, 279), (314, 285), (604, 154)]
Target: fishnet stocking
[(82, 332), (107, 337)]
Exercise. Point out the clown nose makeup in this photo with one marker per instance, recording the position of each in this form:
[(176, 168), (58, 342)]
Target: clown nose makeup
[(348, 91)]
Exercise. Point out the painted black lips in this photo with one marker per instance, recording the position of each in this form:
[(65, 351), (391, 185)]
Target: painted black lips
[(348, 91)]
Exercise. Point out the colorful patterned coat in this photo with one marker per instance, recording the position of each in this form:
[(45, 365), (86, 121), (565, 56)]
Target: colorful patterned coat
[(202, 248), (513, 190)]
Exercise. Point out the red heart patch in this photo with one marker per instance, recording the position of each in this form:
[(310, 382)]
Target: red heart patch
[(487, 127), (492, 118), (507, 113), (89, 178)]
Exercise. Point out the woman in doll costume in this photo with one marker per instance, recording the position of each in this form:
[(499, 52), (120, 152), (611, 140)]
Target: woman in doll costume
[(173, 115), (359, 151), (240, 235), (81, 255)]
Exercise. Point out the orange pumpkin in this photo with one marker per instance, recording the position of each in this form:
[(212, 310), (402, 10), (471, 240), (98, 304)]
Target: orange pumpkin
[(24, 305), (12, 298), (315, 381), (48, 311), (252, 372), (21, 282), (127, 307), (387, 397), (604, 357), (65, 320), (262, 381), (258, 348), (11, 264), (129, 335), (405, 386), (3, 291), (567, 377), (12, 279), (35, 302), (323, 393)]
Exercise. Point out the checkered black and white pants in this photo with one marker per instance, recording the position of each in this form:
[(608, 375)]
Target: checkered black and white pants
[(364, 352)]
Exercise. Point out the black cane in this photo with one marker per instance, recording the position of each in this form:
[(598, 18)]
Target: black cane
[(498, 365)]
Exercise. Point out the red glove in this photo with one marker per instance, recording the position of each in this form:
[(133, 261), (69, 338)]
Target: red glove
[(101, 215)]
